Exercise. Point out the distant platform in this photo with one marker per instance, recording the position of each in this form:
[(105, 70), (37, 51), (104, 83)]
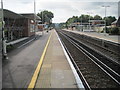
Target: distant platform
[(112, 38)]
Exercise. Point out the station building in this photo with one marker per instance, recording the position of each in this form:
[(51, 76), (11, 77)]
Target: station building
[(18, 25), (31, 25), (116, 23)]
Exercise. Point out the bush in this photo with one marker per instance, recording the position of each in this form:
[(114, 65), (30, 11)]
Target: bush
[(115, 31), (108, 30), (9, 47), (112, 31)]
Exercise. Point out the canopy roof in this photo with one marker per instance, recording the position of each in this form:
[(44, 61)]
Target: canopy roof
[(31, 16), (13, 15), (114, 22), (96, 20), (10, 14)]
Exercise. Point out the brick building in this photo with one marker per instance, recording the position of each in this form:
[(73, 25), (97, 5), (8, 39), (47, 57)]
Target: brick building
[(31, 25), (18, 26)]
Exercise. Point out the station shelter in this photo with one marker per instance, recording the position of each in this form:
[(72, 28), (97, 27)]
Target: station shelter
[(18, 25)]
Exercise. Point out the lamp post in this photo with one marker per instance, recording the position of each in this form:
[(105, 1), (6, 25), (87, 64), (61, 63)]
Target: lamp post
[(4, 52), (81, 17), (105, 24), (42, 18), (81, 23), (35, 18), (89, 18), (105, 17)]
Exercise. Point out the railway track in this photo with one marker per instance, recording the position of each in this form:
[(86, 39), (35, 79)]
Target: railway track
[(95, 70), (111, 50)]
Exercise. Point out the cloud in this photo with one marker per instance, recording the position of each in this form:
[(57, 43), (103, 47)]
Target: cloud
[(63, 9), (19, 6), (94, 0), (76, 8), (18, 1), (88, 6), (53, 5)]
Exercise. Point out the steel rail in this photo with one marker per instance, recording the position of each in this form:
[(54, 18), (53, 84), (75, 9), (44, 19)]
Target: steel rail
[(115, 76)]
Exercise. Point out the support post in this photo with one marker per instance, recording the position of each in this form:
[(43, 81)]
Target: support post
[(4, 52)]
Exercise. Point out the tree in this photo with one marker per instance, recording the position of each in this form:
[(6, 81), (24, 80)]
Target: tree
[(62, 25), (46, 16), (97, 17), (85, 18), (109, 20), (74, 19)]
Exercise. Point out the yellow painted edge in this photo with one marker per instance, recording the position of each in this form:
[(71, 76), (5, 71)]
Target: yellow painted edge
[(35, 75)]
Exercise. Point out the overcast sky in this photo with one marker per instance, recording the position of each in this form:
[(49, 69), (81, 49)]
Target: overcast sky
[(64, 9)]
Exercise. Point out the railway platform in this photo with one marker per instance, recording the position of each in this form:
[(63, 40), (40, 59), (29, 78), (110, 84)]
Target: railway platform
[(111, 38), (54, 70)]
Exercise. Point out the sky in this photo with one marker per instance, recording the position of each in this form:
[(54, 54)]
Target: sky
[(64, 9)]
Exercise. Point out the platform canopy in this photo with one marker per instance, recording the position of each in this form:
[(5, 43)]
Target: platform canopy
[(10, 14), (31, 16), (96, 20), (13, 15)]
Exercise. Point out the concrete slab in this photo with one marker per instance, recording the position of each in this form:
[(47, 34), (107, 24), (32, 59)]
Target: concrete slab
[(62, 78), (60, 65)]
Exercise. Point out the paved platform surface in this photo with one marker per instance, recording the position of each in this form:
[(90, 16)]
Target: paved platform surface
[(55, 71), (17, 71), (112, 38)]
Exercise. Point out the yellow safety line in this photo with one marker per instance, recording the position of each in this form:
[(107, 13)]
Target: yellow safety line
[(34, 78)]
